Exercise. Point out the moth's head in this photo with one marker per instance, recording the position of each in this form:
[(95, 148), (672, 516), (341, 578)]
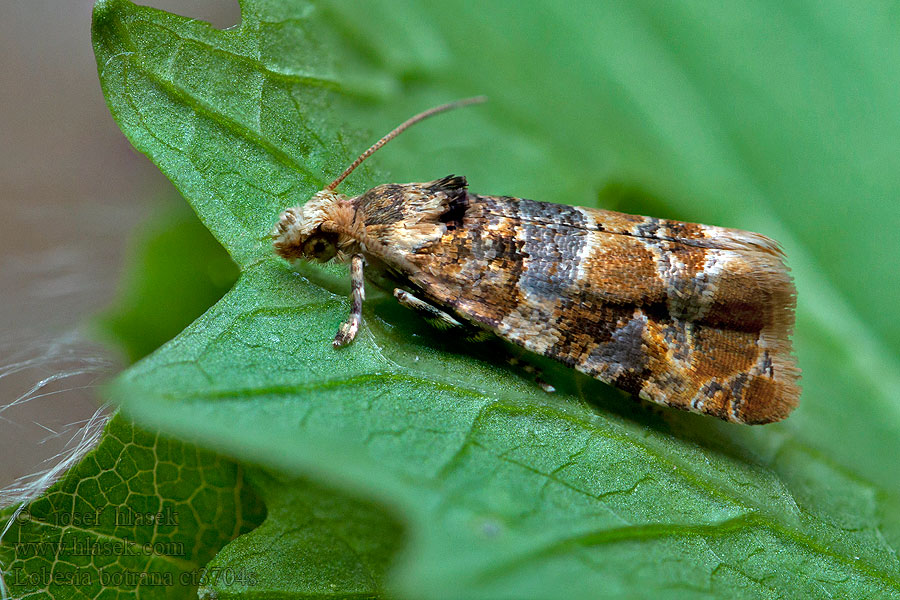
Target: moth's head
[(326, 226), (311, 231)]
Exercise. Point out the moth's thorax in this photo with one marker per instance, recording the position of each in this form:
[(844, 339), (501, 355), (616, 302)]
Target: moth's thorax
[(399, 219)]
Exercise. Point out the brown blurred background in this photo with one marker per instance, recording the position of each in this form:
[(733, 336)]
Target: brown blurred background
[(71, 191)]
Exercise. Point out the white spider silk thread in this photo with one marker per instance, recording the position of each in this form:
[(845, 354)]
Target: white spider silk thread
[(59, 367)]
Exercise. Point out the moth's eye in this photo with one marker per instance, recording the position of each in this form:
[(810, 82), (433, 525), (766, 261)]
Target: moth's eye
[(320, 247)]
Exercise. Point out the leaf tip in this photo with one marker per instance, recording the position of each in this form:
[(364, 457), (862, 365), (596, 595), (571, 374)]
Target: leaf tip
[(106, 9)]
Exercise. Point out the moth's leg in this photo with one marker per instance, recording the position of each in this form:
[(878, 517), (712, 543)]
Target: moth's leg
[(531, 370), (435, 316), (442, 320), (349, 327)]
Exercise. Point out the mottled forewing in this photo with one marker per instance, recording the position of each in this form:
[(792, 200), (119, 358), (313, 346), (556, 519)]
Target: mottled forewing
[(685, 315)]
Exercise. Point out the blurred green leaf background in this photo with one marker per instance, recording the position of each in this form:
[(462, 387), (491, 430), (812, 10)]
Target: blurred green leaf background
[(444, 474)]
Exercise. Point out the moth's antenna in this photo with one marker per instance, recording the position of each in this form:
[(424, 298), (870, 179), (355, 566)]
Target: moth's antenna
[(400, 129)]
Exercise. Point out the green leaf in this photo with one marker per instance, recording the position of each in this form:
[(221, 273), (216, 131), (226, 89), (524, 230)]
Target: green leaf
[(156, 300), (728, 114), (315, 543), (140, 514), (55, 531)]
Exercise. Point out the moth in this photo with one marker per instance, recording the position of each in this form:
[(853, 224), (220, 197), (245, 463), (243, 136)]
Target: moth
[(690, 316)]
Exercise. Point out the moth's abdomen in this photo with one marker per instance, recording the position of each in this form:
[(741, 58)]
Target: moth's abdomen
[(685, 315)]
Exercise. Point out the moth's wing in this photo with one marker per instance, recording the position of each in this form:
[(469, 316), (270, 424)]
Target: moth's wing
[(685, 315)]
